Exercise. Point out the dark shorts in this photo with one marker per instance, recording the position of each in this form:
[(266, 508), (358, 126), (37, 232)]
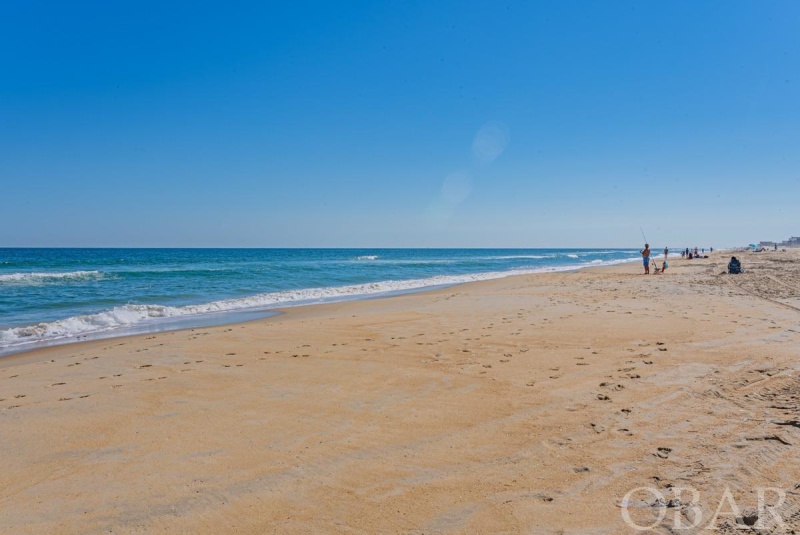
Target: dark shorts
[(645, 261)]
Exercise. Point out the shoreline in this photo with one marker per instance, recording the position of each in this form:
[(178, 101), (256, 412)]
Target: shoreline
[(528, 404), (275, 314), (206, 320), (272, 313)]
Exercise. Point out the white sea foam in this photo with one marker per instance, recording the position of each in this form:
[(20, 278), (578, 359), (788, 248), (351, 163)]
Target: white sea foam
[(615, 251), (518, 257), (569, 255), (594, 263), (45, 277), (367, 257), (122, 318)]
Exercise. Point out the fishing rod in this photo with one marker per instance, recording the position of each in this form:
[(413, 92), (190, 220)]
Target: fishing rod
[(643, 236)]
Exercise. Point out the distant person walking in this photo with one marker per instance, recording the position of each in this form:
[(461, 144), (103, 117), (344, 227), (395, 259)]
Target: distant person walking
[(666, 252), (646, 258)]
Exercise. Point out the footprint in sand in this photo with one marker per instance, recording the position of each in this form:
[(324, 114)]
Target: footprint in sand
[(58, 384), (663, 453)]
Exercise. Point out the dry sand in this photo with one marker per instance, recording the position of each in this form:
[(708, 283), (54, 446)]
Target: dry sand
[(530, 404)]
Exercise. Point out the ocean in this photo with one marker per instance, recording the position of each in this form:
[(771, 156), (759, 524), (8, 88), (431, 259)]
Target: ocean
[(53, 296)]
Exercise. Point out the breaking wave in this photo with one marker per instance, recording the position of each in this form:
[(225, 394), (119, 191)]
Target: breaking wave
[(48, 277), (125, 319)]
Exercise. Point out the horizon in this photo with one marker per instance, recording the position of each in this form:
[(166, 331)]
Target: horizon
[(620, 248), (455, 125)]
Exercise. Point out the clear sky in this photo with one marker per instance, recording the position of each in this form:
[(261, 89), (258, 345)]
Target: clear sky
[(399, 123)]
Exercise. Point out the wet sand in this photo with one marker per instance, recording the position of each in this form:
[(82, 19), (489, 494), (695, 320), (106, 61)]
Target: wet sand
[(531, 404)]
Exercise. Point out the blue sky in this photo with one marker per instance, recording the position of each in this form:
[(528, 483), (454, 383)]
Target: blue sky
[(394, 124)]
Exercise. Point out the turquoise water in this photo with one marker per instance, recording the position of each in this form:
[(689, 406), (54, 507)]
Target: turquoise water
[(52, 296)]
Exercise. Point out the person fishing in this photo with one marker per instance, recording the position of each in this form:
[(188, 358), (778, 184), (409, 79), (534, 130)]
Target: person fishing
[(646, 258)]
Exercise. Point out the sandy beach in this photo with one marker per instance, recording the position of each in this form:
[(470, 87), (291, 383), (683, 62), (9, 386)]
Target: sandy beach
[(530, 404)]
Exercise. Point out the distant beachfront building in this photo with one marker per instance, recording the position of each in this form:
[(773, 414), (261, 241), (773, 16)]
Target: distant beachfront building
[(794, 241)]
